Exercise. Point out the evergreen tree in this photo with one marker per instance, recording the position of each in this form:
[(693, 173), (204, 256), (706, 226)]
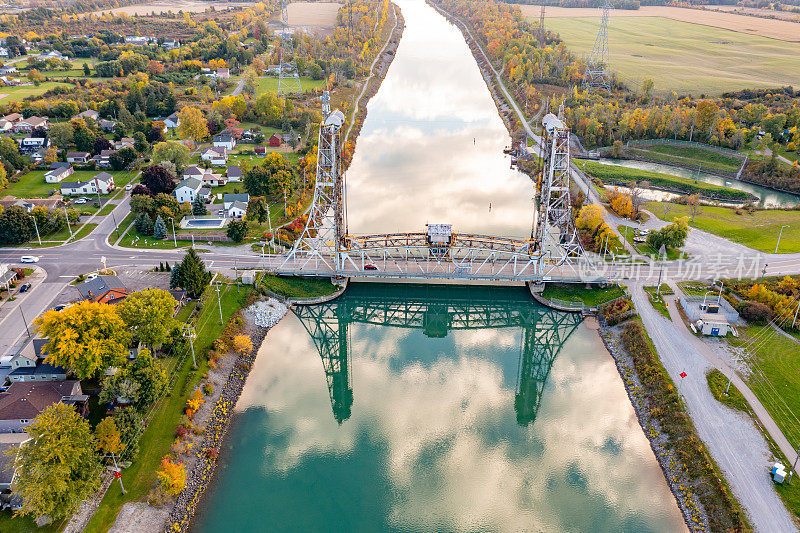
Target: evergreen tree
[(237, 230), (175, 277), (159, 228), (192, 275), (144, 225), (167, 268), (161, 267), (199, 206)]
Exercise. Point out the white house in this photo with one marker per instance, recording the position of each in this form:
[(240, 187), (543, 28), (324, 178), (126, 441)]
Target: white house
[(5, 125), (225, 141), (214, 180), (234, 173), (228, 199), (125, 142), (3, 51), (237, 210), (102, 183), (78, 157), (53, 54), (9, 69), (215, 155), (58, 174), (31, 144), (188, 189), (172, 121), (171, 44)]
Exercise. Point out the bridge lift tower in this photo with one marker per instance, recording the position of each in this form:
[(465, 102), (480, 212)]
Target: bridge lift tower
[(598, 70), (288, 77)]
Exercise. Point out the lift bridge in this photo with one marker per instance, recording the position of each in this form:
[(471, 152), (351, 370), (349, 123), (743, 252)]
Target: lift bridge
[(553, 250), (419, 307)]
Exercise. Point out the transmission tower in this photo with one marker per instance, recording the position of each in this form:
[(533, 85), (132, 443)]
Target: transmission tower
[(598, 71), (288, 77), (540, 31)]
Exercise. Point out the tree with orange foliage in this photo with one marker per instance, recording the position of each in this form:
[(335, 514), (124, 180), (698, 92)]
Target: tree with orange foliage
[(172, 476)]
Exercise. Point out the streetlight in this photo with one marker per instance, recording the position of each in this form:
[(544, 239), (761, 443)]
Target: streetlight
[(35, 225), (704, 298), (190, 333), (779, 237)]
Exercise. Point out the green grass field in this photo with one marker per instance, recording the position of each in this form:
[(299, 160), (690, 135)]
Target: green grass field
[(15, 94), (623, 175), (269, 84), (579, 293), (32, 184), (689, 155), (758, 231), (297, 287), (684, 57)]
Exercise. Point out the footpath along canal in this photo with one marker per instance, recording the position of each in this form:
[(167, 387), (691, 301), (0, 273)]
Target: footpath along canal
[(435, 408)]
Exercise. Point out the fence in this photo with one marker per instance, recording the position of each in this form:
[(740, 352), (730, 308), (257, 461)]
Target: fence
[(199, 237), (691, 305)]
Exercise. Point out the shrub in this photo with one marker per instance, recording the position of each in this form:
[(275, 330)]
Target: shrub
[(755, 312), (208, 389), (242, 344), (172, 476)]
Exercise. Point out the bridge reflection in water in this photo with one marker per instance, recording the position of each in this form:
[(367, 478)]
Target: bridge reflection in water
[(436, 310)]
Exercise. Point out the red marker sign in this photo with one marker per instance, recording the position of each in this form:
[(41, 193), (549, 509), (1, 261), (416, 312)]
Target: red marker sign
[(683, 374), (117, 475)]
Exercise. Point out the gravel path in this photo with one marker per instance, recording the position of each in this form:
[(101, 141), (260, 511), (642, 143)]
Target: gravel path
[(731, 437)]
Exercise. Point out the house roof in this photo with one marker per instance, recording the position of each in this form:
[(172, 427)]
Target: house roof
[(216, 150), (35, 121), (12, 117), (194, 170), (6, 473), (192, 183), (73, 184), (25, 400), (77, 154), (99, 286), (238, 205), (223, 138), (58, 171), (103, 176), (40, 369), (234, 171), (235, 197), (173, 116)]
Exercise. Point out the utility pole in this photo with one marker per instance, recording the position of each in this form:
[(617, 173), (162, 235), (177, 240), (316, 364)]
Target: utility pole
[(236, 274), (719, 298), (779, 237), (190, 333), (35, 225), (793, 466), (116, 228), (795, 314), (174, 239), (118, 474), (68, 226), (219, 301), (23, 319), (658, 289)]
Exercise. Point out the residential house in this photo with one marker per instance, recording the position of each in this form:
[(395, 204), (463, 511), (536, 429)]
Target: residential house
[(193, 171), (102, 183), (53, 54), (58, 174), (171, 44), (260, 150), (223, 73), (172, 121), (38, 371), (5, 125), (29, 124), (6, 275), (228, 199), (23, 402), (103, 159), (188, 189), (78, 157), (89, 113), (8, 443), (225, 141), (9, 69), (214, 180), (125, 142), (234, 173), (140, 40), (275, 140), (13, 118), (28, 145), (205, 194), (237, 209), (103, 289), (215, 155), (3, 51), (106, 125)]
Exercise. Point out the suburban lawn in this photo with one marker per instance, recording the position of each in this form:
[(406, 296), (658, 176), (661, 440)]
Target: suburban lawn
[(579, 293), (32, 184), (24, 524), (690, 155), (166, 415), (758, 230), (269, 84), (617, 174), (684, 57)]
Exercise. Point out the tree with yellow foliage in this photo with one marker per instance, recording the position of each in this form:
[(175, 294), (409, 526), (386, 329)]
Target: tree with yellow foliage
[(108, 436), (242, 344), (193, 124), (172, 476), (622, 205)]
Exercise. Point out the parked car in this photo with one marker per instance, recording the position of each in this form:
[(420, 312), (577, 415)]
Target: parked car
[(128, 187), (370, 266), (61, 307), (80, 201), (91, 276), (221, 213), (28, 259), (25, 287)]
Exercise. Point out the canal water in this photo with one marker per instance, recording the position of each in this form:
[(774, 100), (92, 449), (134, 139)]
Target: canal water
[(438, 408), (435, 408), (770, 197)]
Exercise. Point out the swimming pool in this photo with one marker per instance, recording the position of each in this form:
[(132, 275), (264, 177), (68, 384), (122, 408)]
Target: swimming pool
[(204, 223)]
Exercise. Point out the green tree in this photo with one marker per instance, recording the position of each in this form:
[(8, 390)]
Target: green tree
[(58, 467), (140, 143), (159, 228), (237, 230), (199, 206), (122, 158), (82, 136), (16, 226), (108, 437), (144, 224), (61, 134), (191, 275), (670, 236), (250, 84), (258, 209), (142, 382), (172, 151), (131, 425), (148, 313), (85, 338), (86, 70)]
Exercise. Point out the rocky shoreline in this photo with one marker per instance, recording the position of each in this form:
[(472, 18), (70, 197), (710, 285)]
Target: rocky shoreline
[(200, 475), (674, 470)]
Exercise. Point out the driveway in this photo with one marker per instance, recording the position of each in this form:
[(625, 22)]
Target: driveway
[(731, 437)]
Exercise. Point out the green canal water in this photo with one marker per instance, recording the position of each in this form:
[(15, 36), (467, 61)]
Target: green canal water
[(438, 408)]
